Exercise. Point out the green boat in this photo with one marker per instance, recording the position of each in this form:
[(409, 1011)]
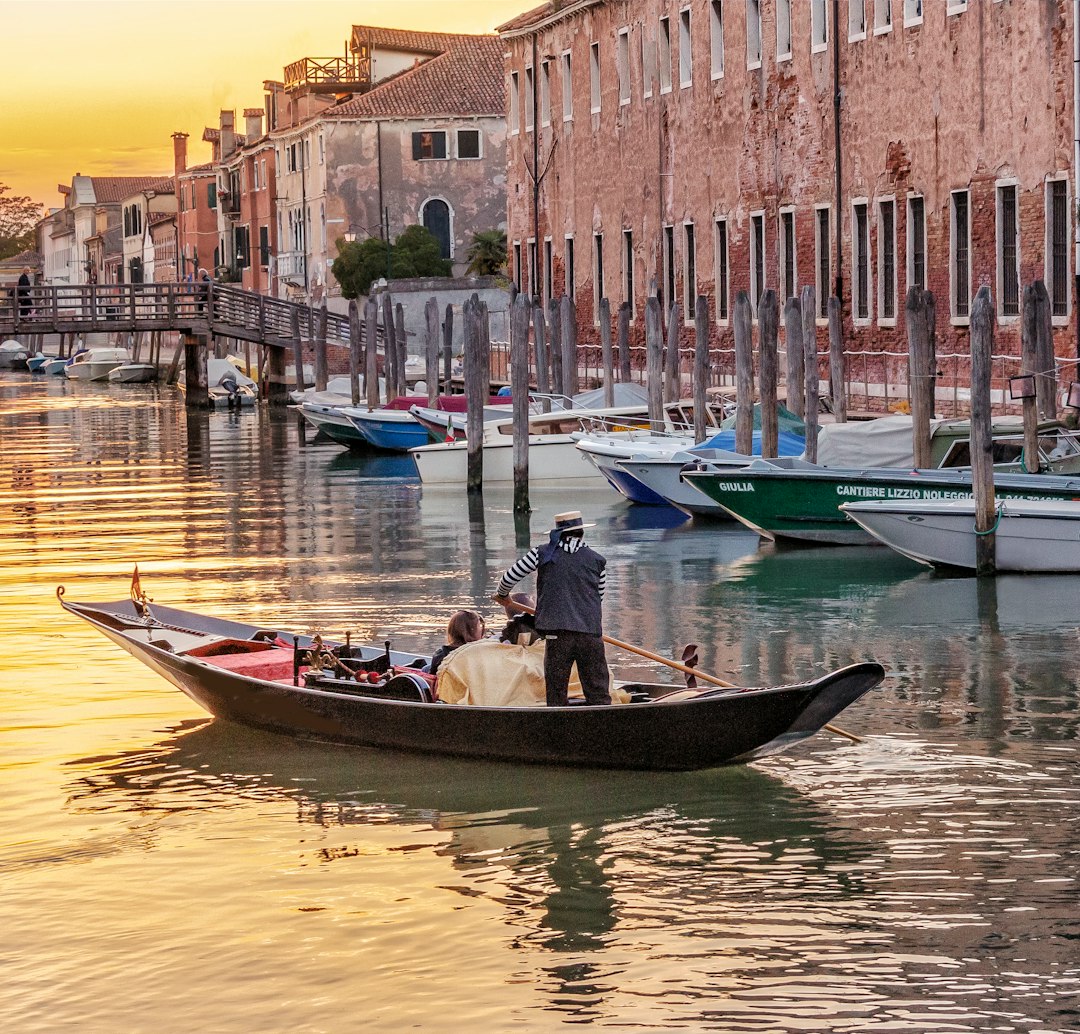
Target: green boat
[(790, 499)]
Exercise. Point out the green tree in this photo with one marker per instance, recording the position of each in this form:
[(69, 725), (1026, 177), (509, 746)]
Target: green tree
[(415, 253), (18, 217), (487, 253)]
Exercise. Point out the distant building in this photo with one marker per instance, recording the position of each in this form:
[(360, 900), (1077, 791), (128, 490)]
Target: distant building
[(198, 241), (141, 210), (696, 146)]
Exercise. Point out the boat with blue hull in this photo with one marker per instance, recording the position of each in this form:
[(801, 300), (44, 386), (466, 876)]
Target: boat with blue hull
[(304, 687)]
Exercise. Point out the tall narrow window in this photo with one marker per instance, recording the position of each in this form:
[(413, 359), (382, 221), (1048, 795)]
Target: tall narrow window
[(567, 88), (1008, 251), (916, 243), (664, 55), (882, 16), (622, 63), (690, 281), (856, 19), (788, 281), (547, 269), (757, 259), (669, 268), (686, 50), (961, 255), (753, 33), (519, 280), (570, 287), (783, 29), (594, 76), (860, 257), (819, 25), (648, 64), (716, 28), (822, 243), (545, 93), (534, 271), (722, 270), (598, 276), (887, 259), (515, 102), (628, 268), (913, 12), (530, 100), (1057, 246)]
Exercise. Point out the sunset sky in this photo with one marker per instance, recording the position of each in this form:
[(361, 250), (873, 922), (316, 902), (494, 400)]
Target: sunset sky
[(97, 86)]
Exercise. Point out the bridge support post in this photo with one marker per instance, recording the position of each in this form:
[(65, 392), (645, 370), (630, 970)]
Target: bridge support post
[(196, 393), (277, 388)]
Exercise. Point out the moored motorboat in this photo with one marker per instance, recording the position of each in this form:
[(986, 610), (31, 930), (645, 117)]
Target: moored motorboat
[(134, 373), (1030, 535), (36, 363), (12, 355), (302, 686), (227, 386), (95, 364)]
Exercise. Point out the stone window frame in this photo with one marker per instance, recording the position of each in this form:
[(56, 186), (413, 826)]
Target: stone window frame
[(819, 33), (883, 25), (686, 48), (518, 280), (628, 284), (909, 257), (530, 99), (663, 55), (596, 93), (959, 319), (856, 34), (865, 267), (668, 263), (598, 274), (1000, 186), (722, 269), (548, 291), (716, 39), (784, 55), (690, 269), (569, 266), (514, 111), (882, 319), (783, 256), (545, 93), (622, 65), (753, 18), (822, 249), (758, 251), (955, 7), (913, 13), (532, 252), (648, 62), (567, 68), (479, 156), (1061, 319)]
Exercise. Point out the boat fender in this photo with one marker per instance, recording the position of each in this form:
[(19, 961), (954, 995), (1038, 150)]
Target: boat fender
[(409, 686)]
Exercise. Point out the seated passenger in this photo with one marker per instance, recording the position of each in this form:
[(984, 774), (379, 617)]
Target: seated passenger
[(466, 626), (521, 628)]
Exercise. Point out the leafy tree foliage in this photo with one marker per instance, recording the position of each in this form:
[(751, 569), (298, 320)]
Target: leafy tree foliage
[(415, 253), (487, 253), (18, 217)]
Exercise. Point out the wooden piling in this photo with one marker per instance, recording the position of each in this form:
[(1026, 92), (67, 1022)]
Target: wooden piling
[(606, 352), (448, 347), (919, 377), (320, 348), (477, 388), (196, 393), (808, 304), (297, 345), (431, 349), (520, 314), (672, 385), (744, 376), (982, 456), (277, 386), (558, 384), (402, 340), (795, 366), (654, 360), (354, 352), (568, 333), (543, 364), (1029, 364), (768, 328), (390, 352), (701, 367), (625, 313), (1046, 382), (371, 353), (837, 393), (931, 332)]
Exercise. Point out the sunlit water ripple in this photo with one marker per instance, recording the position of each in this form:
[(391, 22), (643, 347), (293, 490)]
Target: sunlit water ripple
[(166, 872)]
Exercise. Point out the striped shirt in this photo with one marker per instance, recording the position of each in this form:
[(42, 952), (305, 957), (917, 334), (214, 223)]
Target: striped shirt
[(531, 561)]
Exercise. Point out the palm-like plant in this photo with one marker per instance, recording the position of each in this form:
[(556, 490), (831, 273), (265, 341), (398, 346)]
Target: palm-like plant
[(487, 253)]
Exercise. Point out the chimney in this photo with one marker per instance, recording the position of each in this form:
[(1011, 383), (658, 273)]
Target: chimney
[(253, 124), (228, 135), (179, 147)]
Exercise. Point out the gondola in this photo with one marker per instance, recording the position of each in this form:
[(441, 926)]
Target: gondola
[(372, 695)]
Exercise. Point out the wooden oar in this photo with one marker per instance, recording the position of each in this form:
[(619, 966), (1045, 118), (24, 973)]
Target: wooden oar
[(686, 669)]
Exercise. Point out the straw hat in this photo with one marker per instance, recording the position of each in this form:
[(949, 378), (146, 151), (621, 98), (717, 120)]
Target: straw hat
[(570, 521)]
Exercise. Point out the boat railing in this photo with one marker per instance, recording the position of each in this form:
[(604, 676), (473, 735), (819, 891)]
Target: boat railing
[(633, 428)]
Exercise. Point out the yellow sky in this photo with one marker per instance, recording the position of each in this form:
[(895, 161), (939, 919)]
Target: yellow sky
[(97, 86)]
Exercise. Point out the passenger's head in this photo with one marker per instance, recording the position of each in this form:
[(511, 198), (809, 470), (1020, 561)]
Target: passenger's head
[(466, 626), (514, 604)]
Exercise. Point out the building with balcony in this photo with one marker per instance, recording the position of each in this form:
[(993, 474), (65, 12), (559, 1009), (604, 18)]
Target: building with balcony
[(715, 147), (138, 212)]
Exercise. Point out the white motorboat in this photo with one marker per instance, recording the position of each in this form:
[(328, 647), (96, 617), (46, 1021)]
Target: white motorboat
[(227, 386), (1031, 535), (134, 373), (95, 363), (12, 355)]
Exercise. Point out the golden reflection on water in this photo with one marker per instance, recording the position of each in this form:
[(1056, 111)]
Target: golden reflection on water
[(162, 870)]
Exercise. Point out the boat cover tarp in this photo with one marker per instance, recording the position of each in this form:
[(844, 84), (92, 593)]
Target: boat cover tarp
[(885, 442), (786, 420), (787, 443), (626, 394), (494, 674), (220, 370)]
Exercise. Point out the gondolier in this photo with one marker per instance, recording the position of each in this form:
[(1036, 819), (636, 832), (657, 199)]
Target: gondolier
[(570, 583)]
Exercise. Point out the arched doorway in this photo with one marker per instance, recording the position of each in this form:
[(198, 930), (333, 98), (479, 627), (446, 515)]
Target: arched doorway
[(436, 218)]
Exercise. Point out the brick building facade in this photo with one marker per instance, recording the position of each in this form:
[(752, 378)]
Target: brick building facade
[(696, 145)]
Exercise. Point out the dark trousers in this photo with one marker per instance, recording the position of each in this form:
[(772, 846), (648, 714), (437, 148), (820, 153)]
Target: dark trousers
[(561, 650)]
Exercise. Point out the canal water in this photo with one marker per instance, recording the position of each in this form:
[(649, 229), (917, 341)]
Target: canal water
[(165, 872)]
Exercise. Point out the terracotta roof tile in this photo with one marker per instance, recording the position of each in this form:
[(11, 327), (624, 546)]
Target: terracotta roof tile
[(465, 78), (403, 39), (546, 11), (111, 189)]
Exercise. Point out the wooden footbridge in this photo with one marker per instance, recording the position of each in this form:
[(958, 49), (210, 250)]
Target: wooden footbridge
[(201, 314)]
